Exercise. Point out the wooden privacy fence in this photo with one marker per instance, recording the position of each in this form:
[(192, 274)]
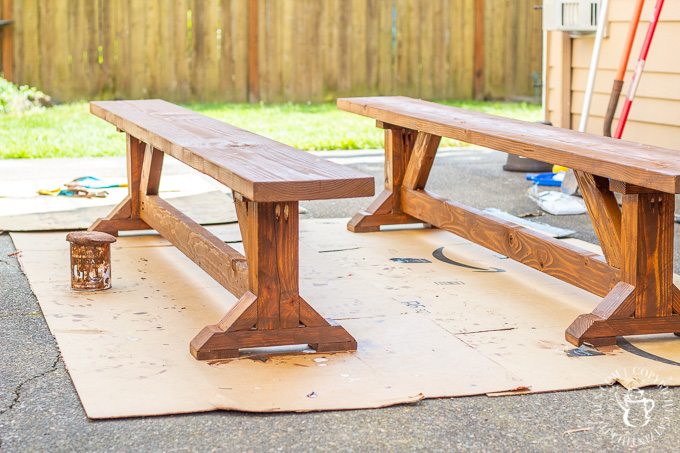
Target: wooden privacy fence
[(276, 50)]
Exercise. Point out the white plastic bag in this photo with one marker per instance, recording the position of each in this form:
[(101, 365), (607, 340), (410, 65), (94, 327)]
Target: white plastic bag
[(557, 203)]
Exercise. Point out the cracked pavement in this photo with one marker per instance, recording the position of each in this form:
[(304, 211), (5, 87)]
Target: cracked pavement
[(40, 410)]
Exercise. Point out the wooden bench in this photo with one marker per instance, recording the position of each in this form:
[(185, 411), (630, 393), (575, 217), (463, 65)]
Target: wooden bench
[(268, 179), (635, 277)]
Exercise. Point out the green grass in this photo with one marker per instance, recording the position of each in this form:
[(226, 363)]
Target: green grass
[(71, 131)]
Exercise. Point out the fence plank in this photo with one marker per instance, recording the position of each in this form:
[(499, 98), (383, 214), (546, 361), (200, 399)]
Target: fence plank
[(240, 36), (315, 50), (428, 25), (308, 50), (166, 53), (180, 52), (123, 66), (27, 43), (385, 49), (205, 65), (153, 22), (226, 50), (330, 32)]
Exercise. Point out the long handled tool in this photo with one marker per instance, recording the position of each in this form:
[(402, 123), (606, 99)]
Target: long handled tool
[(638, 69), (623, 63)]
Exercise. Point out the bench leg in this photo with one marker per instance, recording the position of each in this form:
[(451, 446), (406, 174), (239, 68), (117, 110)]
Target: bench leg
[(386, 208), (271, 312), (645, 301), (144, 164)]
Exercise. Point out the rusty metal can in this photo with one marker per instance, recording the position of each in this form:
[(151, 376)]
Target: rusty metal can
[(90, 260)]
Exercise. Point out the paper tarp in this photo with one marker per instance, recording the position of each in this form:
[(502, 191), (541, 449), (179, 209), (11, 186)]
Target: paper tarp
[(434, 316)]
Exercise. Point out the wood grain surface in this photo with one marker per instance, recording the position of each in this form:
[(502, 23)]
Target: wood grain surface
[(634, 163), (226, 265), (564, 261), (257, 167)]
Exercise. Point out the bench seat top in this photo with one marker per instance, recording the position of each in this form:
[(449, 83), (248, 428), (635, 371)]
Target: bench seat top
[(634, 163), (256, 167)]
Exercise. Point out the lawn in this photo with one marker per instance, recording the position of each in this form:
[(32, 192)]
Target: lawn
[(69, 130)]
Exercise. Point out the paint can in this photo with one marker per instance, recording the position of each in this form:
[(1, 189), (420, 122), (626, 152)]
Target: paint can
[(90, 260)]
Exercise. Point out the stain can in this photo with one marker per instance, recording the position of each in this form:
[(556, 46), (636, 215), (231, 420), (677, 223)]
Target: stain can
[(90, 260)]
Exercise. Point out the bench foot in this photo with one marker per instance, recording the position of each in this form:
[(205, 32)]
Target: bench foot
[(238, 329), (213, 343), (380, 212), (589, 329), (334, 347), (119, 220), (144, 164)]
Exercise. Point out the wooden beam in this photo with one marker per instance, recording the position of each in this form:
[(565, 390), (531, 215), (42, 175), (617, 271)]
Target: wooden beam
[(647, 238), (597, 327), (272, 249), (422, 158), (151, 171), (604, 212), (566, 262), (386, 208), (648, 166), (211, 343), (135, 162), (226, 265)]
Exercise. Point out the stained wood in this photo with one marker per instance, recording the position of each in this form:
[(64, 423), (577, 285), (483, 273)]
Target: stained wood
[(277, 337), (272, 252), (619, 303), (226, 265), (259, 168), (422, 158), (113, 226), (366, 221), (398, 148), (151, 171), (642, 165), (135, 161), (563, 261), (647, 230), (604, 212), (386, 208), (634, 326), (626, 188), (253, 52), (310, 317), (637, 280), (267, 278), (676, 300), (242, 316)]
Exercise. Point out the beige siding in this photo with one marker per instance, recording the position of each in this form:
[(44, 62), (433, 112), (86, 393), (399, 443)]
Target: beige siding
[(655, 115)]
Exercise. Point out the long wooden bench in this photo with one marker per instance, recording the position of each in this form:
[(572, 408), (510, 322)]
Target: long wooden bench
[(268, 179), (635, 277)]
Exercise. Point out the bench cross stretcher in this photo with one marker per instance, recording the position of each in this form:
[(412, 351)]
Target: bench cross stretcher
[(635, 277), (267, 179)]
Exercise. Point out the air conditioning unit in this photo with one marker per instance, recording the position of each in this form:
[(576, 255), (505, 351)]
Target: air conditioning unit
[(575, 16)]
